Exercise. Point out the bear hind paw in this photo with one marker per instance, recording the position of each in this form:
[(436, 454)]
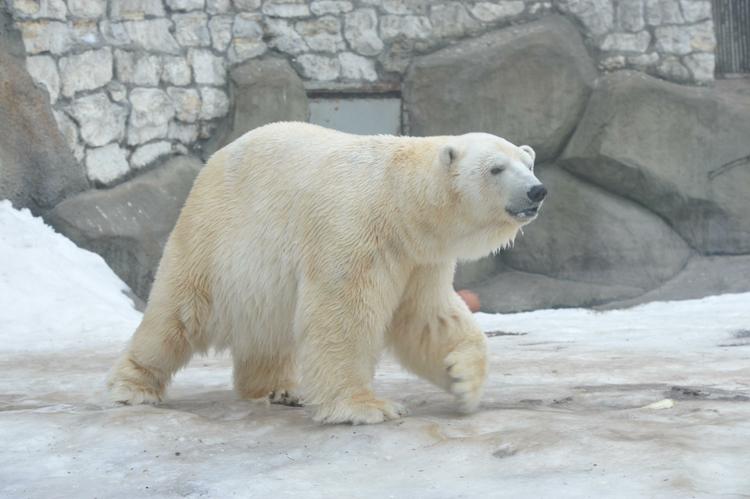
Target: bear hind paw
[(126, 393)]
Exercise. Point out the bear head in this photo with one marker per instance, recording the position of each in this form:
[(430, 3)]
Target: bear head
[(496, 187)]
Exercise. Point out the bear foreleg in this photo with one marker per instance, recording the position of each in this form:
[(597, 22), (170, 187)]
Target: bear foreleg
[(434, 335)]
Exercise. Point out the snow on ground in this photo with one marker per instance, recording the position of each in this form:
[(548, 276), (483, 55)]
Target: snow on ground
[(53, 295), (567, 411)]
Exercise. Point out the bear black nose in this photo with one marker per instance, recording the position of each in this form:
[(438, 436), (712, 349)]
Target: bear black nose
[(537, 193)]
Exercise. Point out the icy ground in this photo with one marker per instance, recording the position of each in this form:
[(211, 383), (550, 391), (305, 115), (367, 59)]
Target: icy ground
[(648, 402)]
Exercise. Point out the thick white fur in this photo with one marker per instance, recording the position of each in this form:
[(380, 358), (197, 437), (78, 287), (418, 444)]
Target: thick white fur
[(305, 251)]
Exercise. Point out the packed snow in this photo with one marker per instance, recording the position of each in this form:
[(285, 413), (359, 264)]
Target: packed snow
[(652, 401)]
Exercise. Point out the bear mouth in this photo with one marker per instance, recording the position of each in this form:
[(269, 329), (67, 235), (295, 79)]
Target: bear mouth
[(525, 214)]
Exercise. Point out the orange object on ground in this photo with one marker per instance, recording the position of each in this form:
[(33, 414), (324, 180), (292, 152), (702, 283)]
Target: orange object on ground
[(471, 299)]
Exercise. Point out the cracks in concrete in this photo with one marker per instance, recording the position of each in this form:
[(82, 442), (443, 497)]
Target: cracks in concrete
[(743, 161)]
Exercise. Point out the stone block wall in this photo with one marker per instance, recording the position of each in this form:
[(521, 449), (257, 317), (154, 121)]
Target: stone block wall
[(671, 39), (131, 81)]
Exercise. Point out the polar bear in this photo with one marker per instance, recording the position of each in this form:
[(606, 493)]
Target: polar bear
[(307, 251)]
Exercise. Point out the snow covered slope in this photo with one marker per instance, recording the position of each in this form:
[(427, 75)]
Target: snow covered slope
[(648, 402), (54, 295)]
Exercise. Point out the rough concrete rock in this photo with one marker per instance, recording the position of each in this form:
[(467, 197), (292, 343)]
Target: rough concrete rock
[(37, 168), (102, 121), (128, 225), (587, 235), (527, 83), (85, 71), (262, 91), (513, 291), (471, 272), (702, 276), (683, 152)]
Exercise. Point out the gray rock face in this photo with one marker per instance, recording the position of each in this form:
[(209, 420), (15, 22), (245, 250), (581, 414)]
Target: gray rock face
[(214, 103), (263, 91), (452, 20), (152, 35), (684, 40), (103, 121), (46, 36), (151, 111), (149, 153), (361, 32), (86, 71), (106, 164), (490, 12), (43, 70), (513, 291), (37, 168), (192, 29), (135, 9), (186, 102), (698, 183), (585, 234), (322, 34), (319, 67), (541, 66), (207, 68), (702, 276), (596, 15), (128, 225), (139, 69)]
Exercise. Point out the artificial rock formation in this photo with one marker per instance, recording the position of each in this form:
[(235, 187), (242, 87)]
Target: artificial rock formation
[(682, 152), (126, 50), (129, 224), (646, 177), (263, 91), (37, 169), (586, 234), (527, 83)]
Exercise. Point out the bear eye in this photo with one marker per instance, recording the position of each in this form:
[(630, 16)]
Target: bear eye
[(496, 170)]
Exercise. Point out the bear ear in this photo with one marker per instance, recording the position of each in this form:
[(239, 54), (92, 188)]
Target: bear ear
[(448, 155), (532, 155)]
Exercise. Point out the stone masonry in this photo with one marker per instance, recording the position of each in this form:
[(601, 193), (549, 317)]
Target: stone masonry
[(131, 81)]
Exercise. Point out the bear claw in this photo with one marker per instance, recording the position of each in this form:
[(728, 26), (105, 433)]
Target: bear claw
[(285, 397), (466, 371)]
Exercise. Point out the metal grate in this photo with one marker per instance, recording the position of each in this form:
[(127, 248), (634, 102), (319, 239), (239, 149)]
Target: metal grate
[(732, 21)]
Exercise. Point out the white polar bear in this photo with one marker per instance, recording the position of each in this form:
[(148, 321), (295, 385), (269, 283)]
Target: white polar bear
[(306, 251)]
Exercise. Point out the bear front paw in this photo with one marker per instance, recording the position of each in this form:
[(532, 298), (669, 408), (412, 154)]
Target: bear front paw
[(359, 410), (467, 371)]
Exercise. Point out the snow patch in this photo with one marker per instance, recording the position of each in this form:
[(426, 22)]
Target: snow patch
[(53, 294)]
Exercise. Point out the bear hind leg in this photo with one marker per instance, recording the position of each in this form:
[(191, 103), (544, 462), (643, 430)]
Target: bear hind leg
[(158, 349), (257, 377)]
